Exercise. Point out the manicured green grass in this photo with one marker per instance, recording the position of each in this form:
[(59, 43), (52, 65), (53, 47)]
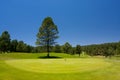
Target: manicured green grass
[(68, 67), (58, 65), (34, 55)]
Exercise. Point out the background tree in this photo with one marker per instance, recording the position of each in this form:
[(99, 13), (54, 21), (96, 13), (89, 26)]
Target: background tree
[(57, 48), (118, 49), (5, 42), (14, 44), (20, 46), (110, 51), (47, 34), (0, 45), (29, 49), (67, 48), (73, 51), (78, 49)]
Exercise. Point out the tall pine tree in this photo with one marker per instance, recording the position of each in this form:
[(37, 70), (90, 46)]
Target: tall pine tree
[(47, 34), (5, 42)]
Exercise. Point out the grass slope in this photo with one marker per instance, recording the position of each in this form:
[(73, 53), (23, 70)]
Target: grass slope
[(109, 72)]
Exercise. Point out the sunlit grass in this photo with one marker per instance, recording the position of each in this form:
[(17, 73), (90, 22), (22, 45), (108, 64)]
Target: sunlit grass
[(58, 65), (88, 68)]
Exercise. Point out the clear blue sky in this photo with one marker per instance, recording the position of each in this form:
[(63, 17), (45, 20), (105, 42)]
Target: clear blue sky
[(79, 21)]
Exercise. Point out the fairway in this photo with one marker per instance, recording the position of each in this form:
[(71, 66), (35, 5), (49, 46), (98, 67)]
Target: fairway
[(71, 65), (23, 66)]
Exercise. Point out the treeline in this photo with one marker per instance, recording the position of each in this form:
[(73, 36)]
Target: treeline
[(107, 49), (7, 45)]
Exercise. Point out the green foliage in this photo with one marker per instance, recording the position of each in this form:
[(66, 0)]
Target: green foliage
[(22, 47), (5, 42), (118, 49), (14, 44), (8, 45), (73, 51), (78, 49), (47, 34), (67, 48), (110, 51), (57, 48), (106, 49)]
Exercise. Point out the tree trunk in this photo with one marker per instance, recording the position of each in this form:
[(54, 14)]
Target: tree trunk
[(48, 51), (79, 54), (48, 55)]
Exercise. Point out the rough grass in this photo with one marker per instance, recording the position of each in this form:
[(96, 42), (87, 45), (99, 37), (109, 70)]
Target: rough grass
[(109, 68)]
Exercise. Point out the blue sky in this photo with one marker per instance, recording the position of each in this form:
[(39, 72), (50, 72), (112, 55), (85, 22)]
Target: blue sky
[(81, 22)]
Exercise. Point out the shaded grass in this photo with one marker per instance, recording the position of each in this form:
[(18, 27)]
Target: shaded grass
[(50, 57)]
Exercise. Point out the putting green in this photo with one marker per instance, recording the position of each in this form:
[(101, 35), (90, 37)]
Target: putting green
[(58, 65)]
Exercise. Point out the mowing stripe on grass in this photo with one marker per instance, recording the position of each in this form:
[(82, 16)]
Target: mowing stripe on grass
[(71, 65)]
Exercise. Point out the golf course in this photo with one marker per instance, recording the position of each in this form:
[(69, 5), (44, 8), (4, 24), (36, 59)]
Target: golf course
[(60, 66), (59, 39)]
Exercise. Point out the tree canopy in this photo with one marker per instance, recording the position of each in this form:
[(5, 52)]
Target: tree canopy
[(78, 49), (67, 48), (5, 42)]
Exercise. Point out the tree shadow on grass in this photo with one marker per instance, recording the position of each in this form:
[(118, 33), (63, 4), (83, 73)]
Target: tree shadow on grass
[(50, 57)]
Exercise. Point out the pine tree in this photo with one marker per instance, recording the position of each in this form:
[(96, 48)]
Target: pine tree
[(5, 42), (78, 49), (47, 34)]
